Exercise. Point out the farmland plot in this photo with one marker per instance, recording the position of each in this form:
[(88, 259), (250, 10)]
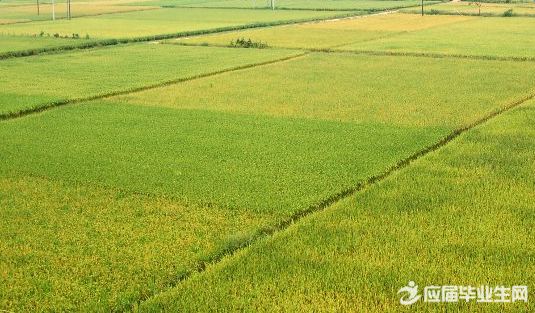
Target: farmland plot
[(361, 5), (77, 248), (237, 161), (463, 215), (363, 89), (108, 247), (17, 13), (482, 37), (487, 9), (10, 3), (14, 44), (105, 204), (328, 34), (86, 73), (161, 21), (205, 161)]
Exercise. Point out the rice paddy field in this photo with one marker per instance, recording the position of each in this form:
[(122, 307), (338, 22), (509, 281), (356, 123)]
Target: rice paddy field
[(91, 73), (14, 14), (160, 22), (219, 156), (484, 37), (357, 5), (353, 256), (26, 11), (526, 8), (328, 34), (13, 44)]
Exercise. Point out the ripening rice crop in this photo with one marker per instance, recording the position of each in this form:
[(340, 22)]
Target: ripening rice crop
[(462, 216), (90, 73)]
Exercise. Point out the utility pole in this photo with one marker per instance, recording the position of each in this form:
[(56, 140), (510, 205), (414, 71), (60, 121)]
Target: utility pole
[(38, 11), (422, 7), (68, 9), (53, 11)]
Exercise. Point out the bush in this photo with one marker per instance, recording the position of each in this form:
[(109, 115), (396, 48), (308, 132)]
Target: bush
[(242, 43), (508, 13)]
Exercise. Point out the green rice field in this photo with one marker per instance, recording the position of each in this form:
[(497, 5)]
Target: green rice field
[(90, 73), (328, 34), (382, 96), (353, 256), (28, 12), (358, 5), (484, 37), (160, 22), (525, 8), (224, 156), (13, 44)]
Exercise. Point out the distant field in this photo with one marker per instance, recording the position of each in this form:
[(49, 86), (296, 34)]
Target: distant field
[(485, 37), (9, 21), (495, 9), (23, 43), (460, 216), (11, 3), (287, 37), (157, 22), (321, 35), (360, 5), (387, 22), (41, 80), (13, 14)]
